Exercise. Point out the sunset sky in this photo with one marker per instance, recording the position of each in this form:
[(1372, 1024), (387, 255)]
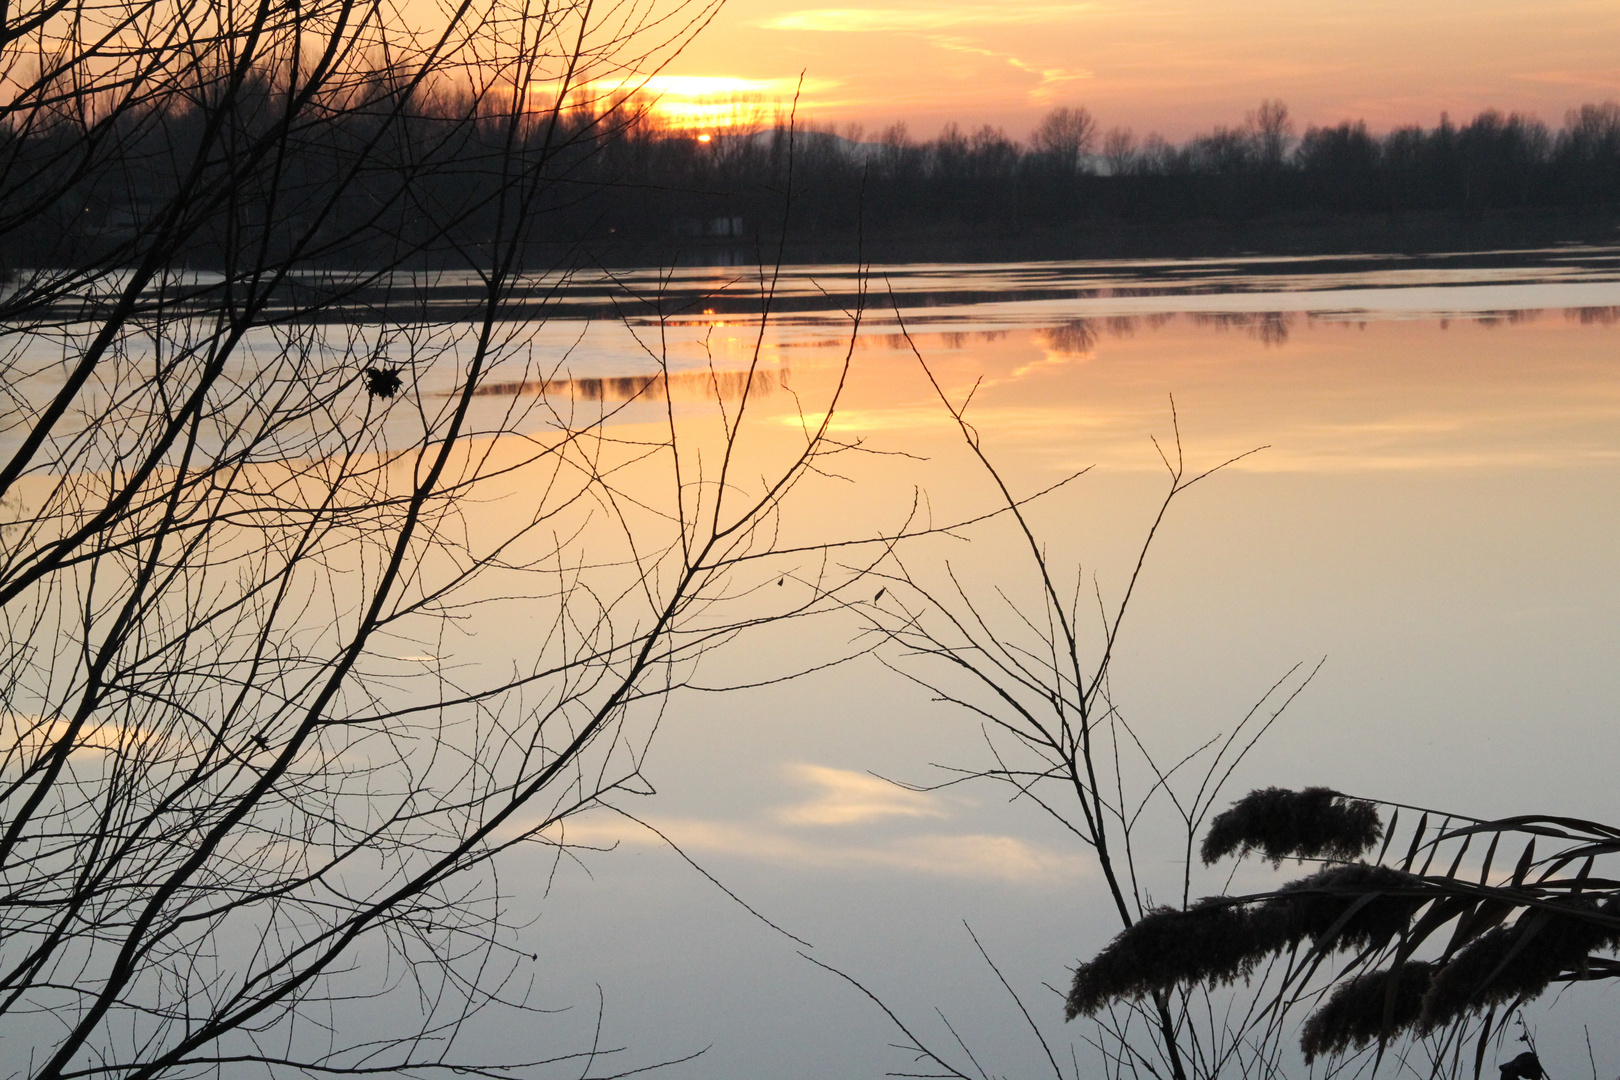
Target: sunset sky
[(1173, 66)]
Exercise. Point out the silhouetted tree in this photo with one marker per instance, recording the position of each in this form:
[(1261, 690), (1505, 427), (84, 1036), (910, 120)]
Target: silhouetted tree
[(257, 769), (1064, 137), (1119, 150), (1273, 131), (1340, 167)]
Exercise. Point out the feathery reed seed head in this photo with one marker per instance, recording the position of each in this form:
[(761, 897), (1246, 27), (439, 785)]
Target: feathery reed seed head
[(1314, 905), (1520, 960), (1211, 942), (1354, 1014), (1315, 823), (1217, 941)]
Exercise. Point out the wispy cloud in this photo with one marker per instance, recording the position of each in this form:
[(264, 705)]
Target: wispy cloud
[(697, 86), (1592, 79), (847, 798), (27, 734), (1052, 79), (922, 20), (958, 855), (691, 86), (821, 833)]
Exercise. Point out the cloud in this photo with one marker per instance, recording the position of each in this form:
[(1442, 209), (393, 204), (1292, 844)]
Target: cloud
[(1607, 79), (29, 734), (796, 835), (701, 86), (847, 798), (957, 855), (922, 20), (693, 86), (1051, 78), (983, 855)]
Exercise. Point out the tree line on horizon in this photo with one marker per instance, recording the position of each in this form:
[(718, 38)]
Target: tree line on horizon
[(1069, 171), (420, 173)]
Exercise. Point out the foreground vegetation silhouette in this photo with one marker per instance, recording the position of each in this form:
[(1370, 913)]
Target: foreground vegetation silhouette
[(1491, 940), (260, 774), (1425, 951)]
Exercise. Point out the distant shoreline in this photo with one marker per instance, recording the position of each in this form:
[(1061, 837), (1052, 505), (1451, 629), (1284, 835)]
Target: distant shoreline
[(924, 273), (1410, 234)]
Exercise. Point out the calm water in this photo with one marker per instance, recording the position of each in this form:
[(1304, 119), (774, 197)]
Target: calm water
[(1433, 516), (1434, 513)]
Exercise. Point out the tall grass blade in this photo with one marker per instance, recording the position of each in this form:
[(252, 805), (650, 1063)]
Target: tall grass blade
[(1389, 834), (1417, 839), (1484, 1041), (1525, 860)]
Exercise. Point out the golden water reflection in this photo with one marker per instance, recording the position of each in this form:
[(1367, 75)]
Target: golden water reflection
[(1500, 388), (659, 386)]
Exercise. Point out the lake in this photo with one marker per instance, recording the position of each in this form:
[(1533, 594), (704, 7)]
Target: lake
[(1409, 537), (1432, 518)]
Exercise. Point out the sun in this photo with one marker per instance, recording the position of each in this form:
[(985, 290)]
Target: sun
[(700, 105)]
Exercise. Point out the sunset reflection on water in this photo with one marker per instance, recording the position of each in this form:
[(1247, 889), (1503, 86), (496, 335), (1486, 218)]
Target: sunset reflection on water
[(1324, 391), (1433, 517)]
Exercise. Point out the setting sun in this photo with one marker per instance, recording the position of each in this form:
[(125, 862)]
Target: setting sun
[(697, 102)]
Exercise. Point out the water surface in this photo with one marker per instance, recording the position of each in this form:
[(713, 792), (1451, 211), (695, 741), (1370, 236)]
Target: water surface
[(1433, 514), (1422, 498)]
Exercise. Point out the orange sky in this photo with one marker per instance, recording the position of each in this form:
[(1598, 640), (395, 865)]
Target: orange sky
[(1174, 66)]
